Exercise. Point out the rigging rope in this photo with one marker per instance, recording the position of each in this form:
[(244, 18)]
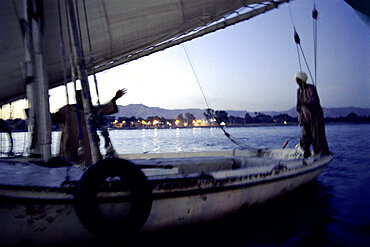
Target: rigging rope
[(63, 52), (71, 56), (99, 118), (79, 28), (299, 46), (210, 111), (196, 77), (314, 27), (91, 54), (297, 41), (74, 78), (64, 62)]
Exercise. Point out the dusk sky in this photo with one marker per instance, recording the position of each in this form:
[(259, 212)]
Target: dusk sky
[(250, 66)]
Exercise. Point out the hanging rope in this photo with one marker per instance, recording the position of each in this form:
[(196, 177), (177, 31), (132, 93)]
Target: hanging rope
[(91, 54), (71, 56), (79, 28), (314, 27), (297, 40), (62, 52), (210, 111), (196, 77), (64, 63), (74, 80), (298, 44), (99, 118)]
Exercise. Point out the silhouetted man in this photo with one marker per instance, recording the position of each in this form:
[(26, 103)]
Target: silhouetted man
[(74, 143), (311, 117)]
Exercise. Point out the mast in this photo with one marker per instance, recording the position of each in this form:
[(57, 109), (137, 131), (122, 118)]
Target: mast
[(29, 79), (86, 96), (36, 79)]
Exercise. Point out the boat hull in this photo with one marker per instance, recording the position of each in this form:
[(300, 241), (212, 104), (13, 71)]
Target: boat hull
[(41, 215), (173, 212)]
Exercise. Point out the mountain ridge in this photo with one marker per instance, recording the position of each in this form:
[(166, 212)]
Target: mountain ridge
[(143, 111)]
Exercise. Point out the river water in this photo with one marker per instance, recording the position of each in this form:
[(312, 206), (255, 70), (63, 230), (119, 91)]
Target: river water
[(333, 210)]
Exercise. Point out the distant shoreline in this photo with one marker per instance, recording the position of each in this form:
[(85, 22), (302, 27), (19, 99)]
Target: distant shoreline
[(232, 126), (189, 121), (199, 127)]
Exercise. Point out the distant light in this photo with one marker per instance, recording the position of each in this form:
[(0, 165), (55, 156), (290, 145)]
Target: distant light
[(285, 122), (223, 124)]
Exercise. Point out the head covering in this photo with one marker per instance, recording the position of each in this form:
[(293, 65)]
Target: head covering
[(300, 75)]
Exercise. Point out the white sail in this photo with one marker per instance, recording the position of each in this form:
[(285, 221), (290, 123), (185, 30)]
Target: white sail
[(117, 29)]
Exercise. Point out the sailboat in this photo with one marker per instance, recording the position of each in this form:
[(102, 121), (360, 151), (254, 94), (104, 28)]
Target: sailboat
[(43, 201)]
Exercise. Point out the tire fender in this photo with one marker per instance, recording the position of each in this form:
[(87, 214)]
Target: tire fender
[(87, 205)]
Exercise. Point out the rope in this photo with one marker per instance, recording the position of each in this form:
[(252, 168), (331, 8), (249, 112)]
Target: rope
[(298, 44), (73, 74), (210, 111), (196, 77), (287, 141), (91, 54), (305, 60), (79, 28), (297, 40), (63, 53), (314, 27), (99, 118), (64, 62)]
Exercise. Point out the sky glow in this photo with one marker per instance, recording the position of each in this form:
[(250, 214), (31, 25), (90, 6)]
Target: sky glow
[(250, 66)]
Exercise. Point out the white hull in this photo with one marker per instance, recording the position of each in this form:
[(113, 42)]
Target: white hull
[(167, 213), (47, 215)]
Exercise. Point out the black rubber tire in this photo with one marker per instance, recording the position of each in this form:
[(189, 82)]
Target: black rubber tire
[(86, 205)]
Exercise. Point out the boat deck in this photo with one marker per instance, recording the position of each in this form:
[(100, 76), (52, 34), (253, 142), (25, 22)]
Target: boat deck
[(24, 172)]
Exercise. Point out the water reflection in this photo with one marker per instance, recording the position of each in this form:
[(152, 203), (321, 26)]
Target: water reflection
[(144, 143), (156, 146), (178, 141)]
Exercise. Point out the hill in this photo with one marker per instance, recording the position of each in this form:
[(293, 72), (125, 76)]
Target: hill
[(336, 112), (143, 111)]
